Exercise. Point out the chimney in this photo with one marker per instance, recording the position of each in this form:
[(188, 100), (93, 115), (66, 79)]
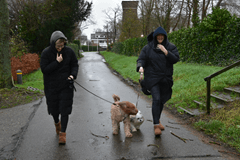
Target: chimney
[(129, 9)]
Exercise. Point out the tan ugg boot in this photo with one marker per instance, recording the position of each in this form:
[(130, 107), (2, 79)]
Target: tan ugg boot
[(58, 127), (62, 138), (161, 126), (157, 130)]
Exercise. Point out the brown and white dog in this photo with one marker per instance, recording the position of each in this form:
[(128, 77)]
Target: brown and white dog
[(120, 112)]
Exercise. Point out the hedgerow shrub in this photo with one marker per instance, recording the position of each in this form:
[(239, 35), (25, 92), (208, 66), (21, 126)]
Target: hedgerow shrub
[(91, 48), (117, 47), (77, 42), (214, 42), (75, 48), (130, 47), (27, 63)]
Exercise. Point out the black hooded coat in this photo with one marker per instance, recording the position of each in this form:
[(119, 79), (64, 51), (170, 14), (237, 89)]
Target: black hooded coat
[(58, 90), (158, 68)]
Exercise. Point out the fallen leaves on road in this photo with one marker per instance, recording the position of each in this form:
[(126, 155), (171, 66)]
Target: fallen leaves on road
[(106, 137), (183, 139), (153, 145)]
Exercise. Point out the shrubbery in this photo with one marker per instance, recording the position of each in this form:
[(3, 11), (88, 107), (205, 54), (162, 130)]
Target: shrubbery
[(91, 48), (215, 41), (130, 47), (75, 49), (27, 63)]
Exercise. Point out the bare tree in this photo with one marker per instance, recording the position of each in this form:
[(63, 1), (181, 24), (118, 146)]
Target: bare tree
[(112, 15), (205, 5), (81, 26), (195, 17), (146, 11), (233, 6), (179, 16), (188, 13), (219, 3)]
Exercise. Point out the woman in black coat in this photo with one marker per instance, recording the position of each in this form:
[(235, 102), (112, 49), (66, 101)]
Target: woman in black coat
[(156, 62), (59, 66)]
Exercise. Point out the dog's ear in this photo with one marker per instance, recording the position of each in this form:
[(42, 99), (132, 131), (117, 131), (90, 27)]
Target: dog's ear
[(122, 104), (116, 97), (128, 108)]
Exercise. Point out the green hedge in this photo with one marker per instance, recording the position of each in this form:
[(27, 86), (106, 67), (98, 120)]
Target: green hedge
[(215, 41), (130, 47), (75, 49), (91, 48), (77, 42)]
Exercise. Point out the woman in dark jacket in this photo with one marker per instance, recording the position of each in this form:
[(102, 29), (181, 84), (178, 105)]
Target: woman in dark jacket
[(59, 66), (156, 62)]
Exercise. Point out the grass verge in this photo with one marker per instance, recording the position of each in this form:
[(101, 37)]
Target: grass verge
[(189, 85), (20, 94)]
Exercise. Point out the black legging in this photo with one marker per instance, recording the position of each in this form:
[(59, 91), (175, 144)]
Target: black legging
[(157, 105), (64, 121)]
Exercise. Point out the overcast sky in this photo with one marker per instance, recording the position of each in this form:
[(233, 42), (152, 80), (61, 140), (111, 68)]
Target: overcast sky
[(98, 15)]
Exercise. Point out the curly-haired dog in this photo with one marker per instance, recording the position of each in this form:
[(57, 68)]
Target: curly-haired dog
[(120, 112)]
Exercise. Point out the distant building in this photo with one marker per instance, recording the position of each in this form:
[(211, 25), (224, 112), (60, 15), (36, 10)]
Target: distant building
[(101, 38), (83, 40)]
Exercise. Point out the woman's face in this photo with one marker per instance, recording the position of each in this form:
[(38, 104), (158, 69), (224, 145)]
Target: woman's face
[(160, 38), (59, 45)]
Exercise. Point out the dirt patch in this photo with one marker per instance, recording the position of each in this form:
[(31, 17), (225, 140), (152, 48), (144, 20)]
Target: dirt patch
[(17, 96)]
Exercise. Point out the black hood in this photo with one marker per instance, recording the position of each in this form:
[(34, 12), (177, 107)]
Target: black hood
[(152, 36), (54, 37)]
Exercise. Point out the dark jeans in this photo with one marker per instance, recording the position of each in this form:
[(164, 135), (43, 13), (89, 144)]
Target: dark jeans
[(64, 121), (157, 105)]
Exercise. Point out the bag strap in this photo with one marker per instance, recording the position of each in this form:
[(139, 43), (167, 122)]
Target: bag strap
[(141, 74)]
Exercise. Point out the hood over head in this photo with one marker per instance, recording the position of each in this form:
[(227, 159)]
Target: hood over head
[(152, 36), (55, 36)]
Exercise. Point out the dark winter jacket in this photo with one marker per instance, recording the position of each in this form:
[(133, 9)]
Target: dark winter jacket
[(58, 90), (157, 66)]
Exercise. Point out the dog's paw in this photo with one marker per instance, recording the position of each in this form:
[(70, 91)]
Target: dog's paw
[(115, 132), (134, 130), (128, 135)]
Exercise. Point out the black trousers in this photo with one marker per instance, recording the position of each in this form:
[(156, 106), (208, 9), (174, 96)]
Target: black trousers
[(157, 105), (64, 121)]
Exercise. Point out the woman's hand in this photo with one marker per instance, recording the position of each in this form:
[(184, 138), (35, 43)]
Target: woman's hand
[(162, 49), (70, 77), (59, 58), (141, 70)]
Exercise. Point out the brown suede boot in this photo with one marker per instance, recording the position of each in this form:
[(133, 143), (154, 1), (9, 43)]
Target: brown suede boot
[(157, 130), (161, 126), (62, 138), (58, 127)]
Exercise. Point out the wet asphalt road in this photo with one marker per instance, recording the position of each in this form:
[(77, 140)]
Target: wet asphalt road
[(90, 120)]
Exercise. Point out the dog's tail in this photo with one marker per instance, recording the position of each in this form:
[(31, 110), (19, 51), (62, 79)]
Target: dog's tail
[(116, 97)]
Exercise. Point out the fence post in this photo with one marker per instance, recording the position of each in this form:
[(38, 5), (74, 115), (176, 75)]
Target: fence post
[(208, 94)]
